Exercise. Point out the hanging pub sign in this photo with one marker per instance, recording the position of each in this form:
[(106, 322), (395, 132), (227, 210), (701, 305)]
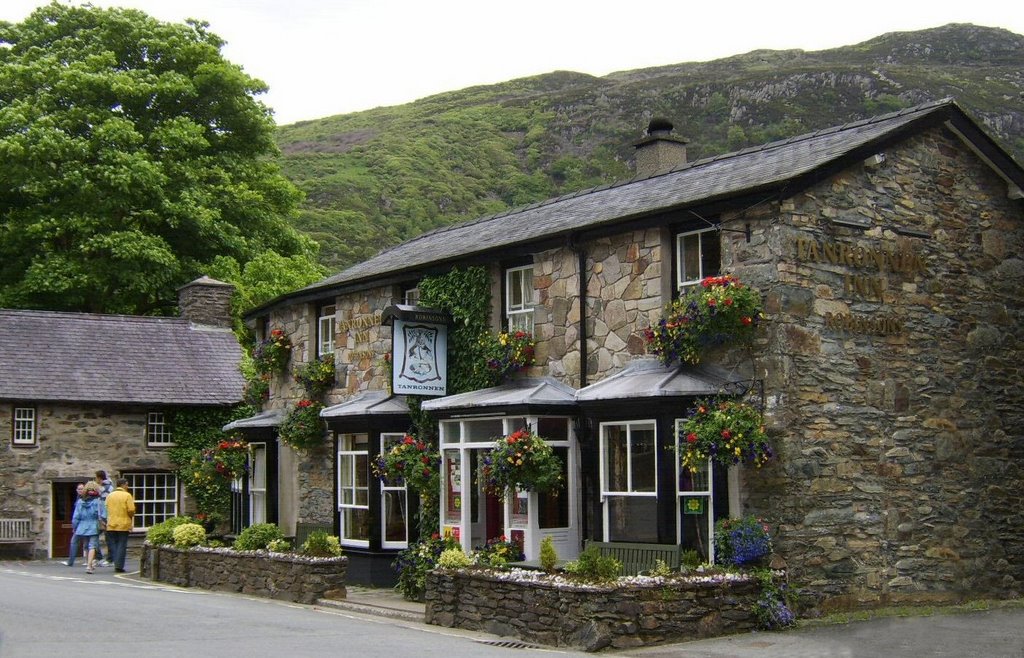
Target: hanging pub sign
[(419, 349)]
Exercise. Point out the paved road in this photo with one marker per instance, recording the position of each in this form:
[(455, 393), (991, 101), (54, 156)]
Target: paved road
[(47, 609)]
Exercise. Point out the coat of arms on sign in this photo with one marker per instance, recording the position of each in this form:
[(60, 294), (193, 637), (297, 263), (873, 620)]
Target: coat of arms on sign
[(419, 360)]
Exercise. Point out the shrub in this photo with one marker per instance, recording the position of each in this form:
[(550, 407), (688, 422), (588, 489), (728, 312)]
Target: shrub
[(548, 556), (316, 377), (163, 533), (271, 355), (741, 541), (413, 563), (321, 544), (690, 559), (773, 608), (453, 558), (188, 535), (594, 567), (661, 568), (279, 546), (498, 552), (257, 537)]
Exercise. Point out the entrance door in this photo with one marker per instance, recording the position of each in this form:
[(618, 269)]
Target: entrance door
[(64, 496)]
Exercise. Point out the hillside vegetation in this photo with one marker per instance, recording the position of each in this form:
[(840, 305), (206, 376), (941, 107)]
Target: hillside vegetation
[(375, 178)]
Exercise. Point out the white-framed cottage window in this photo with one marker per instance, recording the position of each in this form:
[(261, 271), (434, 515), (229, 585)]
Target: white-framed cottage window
[(698, 255), (696, 499), (157, 432), (411, 296), (394, 502), (629, 481), (24, 426), (325, 327), (156, 497), (354, 489), (519, 298)]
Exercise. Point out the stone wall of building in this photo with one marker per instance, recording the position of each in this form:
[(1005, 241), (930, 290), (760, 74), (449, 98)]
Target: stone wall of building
[(590, 617), (256, 573), (893, 366), (73, 443)]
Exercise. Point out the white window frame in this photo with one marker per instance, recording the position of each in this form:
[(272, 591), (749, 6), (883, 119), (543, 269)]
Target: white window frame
[(158, 435), (519, 314), (24, 426), (348, 455), (387, 441), (707, 494), (607, 493), (151, 489), (681, 281), (325, 328), (411, 296)]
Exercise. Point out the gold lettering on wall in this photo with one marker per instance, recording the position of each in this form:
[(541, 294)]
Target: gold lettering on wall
[(884, 260)]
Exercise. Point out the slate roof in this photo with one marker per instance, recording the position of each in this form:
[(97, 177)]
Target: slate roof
[(81, 357), (264, 419), (369, 403), (648, 378), (768, 167), (533, 392)]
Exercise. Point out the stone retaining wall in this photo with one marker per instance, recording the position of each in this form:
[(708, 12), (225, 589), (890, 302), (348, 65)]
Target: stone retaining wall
[(274, 576), (590, 617)]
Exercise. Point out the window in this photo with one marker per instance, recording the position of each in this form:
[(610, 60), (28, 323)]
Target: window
[(698, 255), (519, 298), (629, 481), (394, 503), (157, 432), (325, 331), (156, 497), (354, 488), (24, 426), (411, 296)]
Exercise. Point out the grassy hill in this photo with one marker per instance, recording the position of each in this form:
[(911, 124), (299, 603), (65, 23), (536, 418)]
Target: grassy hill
[(378, 177)]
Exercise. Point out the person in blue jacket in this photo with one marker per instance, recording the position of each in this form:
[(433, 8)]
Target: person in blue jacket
[(90, 515), (76, 541)]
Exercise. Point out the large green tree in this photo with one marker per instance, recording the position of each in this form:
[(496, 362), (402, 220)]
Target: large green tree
[(133, 157)]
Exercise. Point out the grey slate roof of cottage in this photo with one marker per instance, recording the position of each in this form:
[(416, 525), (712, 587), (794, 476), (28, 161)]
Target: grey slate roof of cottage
[(369, 403), (648, 378), (81, 357), (764, 168)]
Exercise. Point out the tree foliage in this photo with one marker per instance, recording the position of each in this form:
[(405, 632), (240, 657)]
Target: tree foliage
[(132, 155)]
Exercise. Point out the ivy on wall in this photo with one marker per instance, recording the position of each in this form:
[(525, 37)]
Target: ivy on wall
[(195, 430)]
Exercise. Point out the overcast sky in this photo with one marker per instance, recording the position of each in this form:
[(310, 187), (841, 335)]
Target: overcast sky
[(325, 57)]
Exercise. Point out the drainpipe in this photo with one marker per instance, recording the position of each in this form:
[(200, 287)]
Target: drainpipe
[(581, 256)]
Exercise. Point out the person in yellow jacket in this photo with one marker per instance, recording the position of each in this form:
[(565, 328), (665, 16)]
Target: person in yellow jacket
[(120, 515)]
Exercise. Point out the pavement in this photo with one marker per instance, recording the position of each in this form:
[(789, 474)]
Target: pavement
[(996, 632)]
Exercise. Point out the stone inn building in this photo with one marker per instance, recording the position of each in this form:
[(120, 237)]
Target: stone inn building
[(887, 253), (81, 392)]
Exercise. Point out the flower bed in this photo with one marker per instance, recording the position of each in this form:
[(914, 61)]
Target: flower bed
[(257, 573), (633, 612)]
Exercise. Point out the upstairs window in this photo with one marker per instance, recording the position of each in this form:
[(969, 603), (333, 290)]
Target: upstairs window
[(411, 296), (24, 426), (325, 327), (698, 255), (157, 432), (519, 298)]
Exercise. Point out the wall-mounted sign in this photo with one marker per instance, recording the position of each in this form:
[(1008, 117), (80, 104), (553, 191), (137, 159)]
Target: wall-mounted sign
[(419, 341)]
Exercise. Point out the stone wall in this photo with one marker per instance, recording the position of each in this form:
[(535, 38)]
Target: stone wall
[(893, 357), (73, 443), (274, 576), (590, 617)]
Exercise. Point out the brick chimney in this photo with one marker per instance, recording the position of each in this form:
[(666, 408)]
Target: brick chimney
[(660, 150), (206, 301)]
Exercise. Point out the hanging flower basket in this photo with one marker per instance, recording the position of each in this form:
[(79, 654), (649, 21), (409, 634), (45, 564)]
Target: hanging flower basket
[(412, 461), (229, 458), (302, 428), (727, 432), (522, 460), (720, 310), (271, 355), (507, 353), (316, 377)]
